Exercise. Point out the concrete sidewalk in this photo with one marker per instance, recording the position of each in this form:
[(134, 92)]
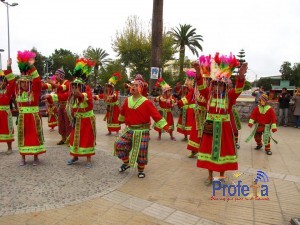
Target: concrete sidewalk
[(173, 191)]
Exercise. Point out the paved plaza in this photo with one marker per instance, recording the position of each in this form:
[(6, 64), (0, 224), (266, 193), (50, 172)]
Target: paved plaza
[(173, 191)]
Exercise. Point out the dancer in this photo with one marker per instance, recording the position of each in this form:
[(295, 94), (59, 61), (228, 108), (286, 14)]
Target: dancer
[(200, 109), (187, 106), (62, 88), (7, 88), (217, 149), (132, 146), (83, 134), (30, 130), (166, 103), (265, 119), (111, 99)]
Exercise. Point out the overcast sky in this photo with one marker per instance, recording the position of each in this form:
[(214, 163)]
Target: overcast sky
[(268, 30)]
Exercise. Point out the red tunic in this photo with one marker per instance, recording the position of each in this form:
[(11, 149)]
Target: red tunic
[(263, 115), (30, 130), (223, 157), (139, 112), (187, 116), (112, 111), (6, 121), (166, 111), (83, 133)]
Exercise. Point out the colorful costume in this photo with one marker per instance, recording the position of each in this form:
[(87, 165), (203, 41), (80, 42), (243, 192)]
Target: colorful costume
[(165, 106), (61, 96), (132, 145), (30, 130), (112, 104), (217, 149), (6, 93), (52, 115), (196, 132), (187, 116), (265, 118), (83, 134)]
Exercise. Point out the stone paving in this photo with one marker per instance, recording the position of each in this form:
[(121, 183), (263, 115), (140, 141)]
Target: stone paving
[(173, 191)]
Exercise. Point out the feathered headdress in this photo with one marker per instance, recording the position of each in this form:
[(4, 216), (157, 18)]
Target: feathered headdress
[(23, 61), (82, 70), (114, 79), (190, 79), (205, 65), (224, 67), (163, 84)]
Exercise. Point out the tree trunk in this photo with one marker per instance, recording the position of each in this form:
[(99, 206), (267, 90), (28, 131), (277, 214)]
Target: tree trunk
[(181, 62), (157, 31)]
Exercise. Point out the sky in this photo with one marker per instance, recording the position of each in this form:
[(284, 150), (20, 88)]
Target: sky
[(268, 30)]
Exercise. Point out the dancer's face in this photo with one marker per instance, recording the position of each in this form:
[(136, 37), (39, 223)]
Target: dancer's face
[(262, 103), (24, 85), (135, 89), (168, 93)]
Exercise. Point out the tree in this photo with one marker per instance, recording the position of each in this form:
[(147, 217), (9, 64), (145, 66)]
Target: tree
[(183, 36), (133, 46), (63, 58), (247, 86), (39, 62), (157, 33), (241, 58), (286, 71), (265, 82), (99, 56), (296, 74), (107, 71)]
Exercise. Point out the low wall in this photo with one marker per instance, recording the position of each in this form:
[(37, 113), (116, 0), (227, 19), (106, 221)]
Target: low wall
[(244, 108)]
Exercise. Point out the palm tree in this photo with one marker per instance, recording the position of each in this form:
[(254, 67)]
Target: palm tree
[(157, 36), (185, 35), (99, 56)]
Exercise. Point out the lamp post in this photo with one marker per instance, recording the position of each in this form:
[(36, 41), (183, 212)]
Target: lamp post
[(1, 50), (7, 6)]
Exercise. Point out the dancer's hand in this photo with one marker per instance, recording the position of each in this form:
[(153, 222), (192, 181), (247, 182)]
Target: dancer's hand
[(9, 62), (243, 71), (45, 97), (274, 130), (250, 125), (196, 66)]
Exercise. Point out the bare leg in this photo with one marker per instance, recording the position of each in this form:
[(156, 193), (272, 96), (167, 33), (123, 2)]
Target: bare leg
[(23, 162), (172, 137), (88, 164), (9, 148), (159, 136)]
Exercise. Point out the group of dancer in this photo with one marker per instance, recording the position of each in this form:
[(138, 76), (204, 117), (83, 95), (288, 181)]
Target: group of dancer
[(208, 115)]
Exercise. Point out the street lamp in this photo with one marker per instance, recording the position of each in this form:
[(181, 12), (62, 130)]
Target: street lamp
[(1, 50), (7, 6)]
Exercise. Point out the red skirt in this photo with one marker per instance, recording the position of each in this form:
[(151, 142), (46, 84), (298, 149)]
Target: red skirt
[(194, 140), (6, 125), (189, 118), (52, 120), (30, 134), (170, 121), (111, 117), (82, 137), (227, 159)]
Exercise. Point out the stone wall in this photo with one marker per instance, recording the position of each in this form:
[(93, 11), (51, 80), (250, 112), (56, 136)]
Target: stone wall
[(244, 108)]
